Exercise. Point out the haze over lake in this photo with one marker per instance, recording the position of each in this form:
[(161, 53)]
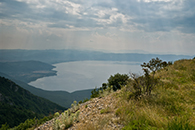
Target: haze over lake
[(80, 75)]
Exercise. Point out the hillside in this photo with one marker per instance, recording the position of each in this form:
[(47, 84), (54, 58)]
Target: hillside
[(170, 106), (27, 71), (61, 98), (18, 104)]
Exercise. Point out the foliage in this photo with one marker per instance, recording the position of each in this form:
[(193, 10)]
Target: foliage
[(117, 81), (104, 86), (170, 106), (85, 100), (74, 106), (95, 93), (30, 123), (56, 124), (68, 117), (57, 114), (4, 126), (143, 85)]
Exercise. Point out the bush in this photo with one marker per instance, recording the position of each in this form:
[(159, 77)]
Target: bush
[(69, 118), (56, 124), (74, 106), (57, 114), (95, 93), (143, 85), (85, 100), (117, 81), (4, 126)]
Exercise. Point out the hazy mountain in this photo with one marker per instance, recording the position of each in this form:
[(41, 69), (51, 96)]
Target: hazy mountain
[(27, 71), (19, 104), (56, 56)]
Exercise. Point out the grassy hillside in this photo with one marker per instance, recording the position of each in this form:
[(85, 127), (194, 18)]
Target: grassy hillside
[(18, 104), (170, 106)]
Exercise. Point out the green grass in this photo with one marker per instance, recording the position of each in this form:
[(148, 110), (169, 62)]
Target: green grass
[(170, 106), (106, 110)]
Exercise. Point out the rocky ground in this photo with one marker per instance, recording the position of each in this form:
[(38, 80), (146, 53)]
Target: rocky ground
[(96, 114)]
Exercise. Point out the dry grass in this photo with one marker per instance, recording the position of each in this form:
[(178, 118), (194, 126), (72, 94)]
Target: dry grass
[(171, 105)]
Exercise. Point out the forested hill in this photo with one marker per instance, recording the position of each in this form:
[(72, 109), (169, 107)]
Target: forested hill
[(18, 104)]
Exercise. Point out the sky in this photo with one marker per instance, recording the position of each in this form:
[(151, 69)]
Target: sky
[(152, 26)]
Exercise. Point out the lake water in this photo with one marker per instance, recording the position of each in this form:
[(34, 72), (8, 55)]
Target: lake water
[(80, 75)]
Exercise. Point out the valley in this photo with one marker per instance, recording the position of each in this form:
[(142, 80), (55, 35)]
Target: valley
[(84, 71), (26, 66)]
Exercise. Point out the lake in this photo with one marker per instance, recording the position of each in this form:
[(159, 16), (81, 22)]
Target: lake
[(80, 75)]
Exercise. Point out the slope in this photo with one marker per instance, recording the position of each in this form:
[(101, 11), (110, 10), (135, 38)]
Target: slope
[(170, 106), (27, 71), (61, 98), (18, 104)]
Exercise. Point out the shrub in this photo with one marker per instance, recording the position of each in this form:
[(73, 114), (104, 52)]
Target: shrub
[(143, 85), (68, 120), (4, 126), (57, 114), (117, 81), (95, 93), (56, 124), (85, 100), (69, 117), (74, 106)]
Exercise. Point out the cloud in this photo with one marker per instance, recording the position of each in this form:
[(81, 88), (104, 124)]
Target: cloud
[(147, 15), (159, 15), (71, 23)]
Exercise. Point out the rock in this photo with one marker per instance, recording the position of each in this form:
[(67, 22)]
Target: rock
[(91, 115)]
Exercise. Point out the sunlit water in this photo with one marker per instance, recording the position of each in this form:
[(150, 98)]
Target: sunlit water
[(80, 75)]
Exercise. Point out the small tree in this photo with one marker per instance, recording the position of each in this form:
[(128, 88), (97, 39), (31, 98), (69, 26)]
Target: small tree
[(144, 84), (104, 86), (95, 93), (152, 66), (117, 81)]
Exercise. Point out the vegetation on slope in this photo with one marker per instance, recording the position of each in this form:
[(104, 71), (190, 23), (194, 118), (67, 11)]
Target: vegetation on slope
[(171, 104), (17, 104), (162, 98)]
